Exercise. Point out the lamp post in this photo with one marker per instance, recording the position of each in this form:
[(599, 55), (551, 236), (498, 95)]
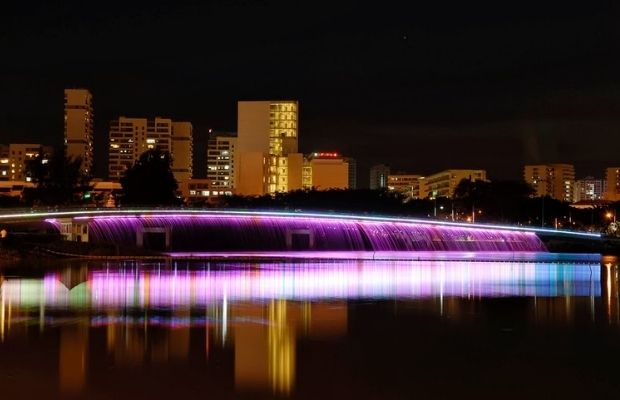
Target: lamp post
[(611, 215)]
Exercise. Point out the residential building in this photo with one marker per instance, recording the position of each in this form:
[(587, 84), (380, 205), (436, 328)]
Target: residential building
[(130, 137), (554, 180), (267, 159), (443, 184), (588, 189), (79, 126), (407, 184), (612, 175), (352, 172), (220, 160), (379, 176), (201, 191), (14, 159), (14, 188), (182, 151), (325, 170)]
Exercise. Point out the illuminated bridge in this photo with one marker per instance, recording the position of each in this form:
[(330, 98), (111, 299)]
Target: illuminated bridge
[(212, 232)]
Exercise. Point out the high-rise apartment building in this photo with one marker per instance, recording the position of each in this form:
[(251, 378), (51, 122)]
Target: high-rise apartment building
[(379, 176), (220, 160), (588, 189), (79, 127), (325, 170), (612, 175), (444, 183), (14, 159), (554, 180), (130, 137), (266, 159), (182, 151)]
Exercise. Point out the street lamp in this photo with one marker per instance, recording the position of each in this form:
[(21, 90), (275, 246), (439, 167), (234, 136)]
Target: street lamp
[(611, 215)]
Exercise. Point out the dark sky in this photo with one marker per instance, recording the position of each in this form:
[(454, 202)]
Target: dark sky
[(418, 85)]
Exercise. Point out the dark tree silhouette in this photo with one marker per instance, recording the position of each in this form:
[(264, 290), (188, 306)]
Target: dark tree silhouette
[(59, 180), (150, 181)]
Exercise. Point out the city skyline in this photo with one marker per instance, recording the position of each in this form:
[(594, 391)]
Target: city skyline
[(201, 150), (498, 89)]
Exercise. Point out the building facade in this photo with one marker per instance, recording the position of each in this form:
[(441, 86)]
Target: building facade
[(220, 160), (588, 189), (325, 170), (79, 127), (182, 151), (443, 184), (130, 137), (554, 180), (379, 176), (352, 172), (14, 159), (612, 180), (407, 184), (267, 158)]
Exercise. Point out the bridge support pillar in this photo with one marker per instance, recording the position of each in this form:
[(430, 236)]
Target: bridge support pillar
[(72, 230), (300, 233), (142, 230)]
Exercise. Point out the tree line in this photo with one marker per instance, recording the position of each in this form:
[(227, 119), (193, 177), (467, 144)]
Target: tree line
[(59, 181)]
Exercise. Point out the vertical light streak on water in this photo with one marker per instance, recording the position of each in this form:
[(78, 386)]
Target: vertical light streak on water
[(442, 279), (224, 317), (608, 272), (2, 313), (42, 309)]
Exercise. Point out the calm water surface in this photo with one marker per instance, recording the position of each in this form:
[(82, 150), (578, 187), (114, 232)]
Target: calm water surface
[(364, 330)]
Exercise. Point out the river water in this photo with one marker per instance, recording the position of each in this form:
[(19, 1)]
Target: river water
[(310, 330)]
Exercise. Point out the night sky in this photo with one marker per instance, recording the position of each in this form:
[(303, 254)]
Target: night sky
[(421, 86)]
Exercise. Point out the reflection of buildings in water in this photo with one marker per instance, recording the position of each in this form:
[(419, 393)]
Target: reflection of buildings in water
[(561, 310), (265, 339), (72, 277), (281, 348), (134, 344), (148, 316), (73, 358), (2, 308)]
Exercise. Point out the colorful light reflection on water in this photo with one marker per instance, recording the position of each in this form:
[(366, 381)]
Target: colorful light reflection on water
[(175, 287), (270, 328)]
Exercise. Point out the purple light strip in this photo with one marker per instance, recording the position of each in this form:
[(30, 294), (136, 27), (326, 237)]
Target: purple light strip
[(83, 214), (322, 219), (329, 233)]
